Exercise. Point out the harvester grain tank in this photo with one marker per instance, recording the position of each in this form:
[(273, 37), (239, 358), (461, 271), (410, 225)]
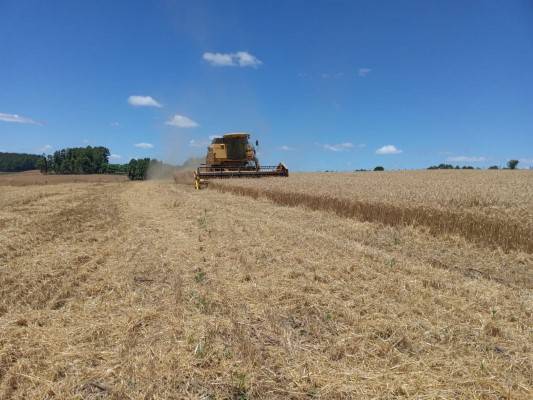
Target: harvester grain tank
[(233, 156)]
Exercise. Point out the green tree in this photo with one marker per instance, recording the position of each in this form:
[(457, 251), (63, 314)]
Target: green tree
[(138, 169), (42, 164), (379, 168), (441, 166), (118, 169), (79, 160), (512, 164), (15, 162)]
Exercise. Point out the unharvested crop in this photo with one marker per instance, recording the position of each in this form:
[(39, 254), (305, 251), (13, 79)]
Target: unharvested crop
[(500, 213)]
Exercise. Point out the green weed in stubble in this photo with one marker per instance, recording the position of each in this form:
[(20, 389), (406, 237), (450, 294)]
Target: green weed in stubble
[(199, 276), (240, 386), (391, 263)]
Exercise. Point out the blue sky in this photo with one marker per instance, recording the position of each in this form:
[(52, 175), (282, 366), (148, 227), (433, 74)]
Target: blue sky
[(321, 84)]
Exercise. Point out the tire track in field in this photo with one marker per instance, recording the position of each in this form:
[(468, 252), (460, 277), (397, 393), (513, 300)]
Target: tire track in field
[(54, 251), (48, 279)]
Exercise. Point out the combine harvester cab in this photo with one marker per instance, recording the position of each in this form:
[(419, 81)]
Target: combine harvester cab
[(232, 156)]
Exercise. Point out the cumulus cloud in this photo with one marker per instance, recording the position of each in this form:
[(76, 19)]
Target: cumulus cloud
[(338, 147), (237, 59), (466, 159), (18, 119), (219, 59), (363, 72), (143, 101), (211, 137), (181, 121), (245, 59), (115, 157), (45, 149), (144, 145), (388, 149)]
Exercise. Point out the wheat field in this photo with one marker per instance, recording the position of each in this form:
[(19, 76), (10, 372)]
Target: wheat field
[(491, 207), (151, 290)]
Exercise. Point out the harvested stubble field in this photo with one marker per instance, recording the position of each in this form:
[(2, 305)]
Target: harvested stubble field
[(36, 178), (151, 290)]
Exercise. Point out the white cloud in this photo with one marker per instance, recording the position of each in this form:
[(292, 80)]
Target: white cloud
[(245, 59), (388, 149), (181, 121), (45, 149), (466, 159), (143, 101), (85, 141), (286, 148), (238, 59), (114, 124), (339, 146), (219, 59), (526, 161), (335, 75), (143, 145), (211, 137), (198, 143), (115, 157), (363, 72), (18, 119)]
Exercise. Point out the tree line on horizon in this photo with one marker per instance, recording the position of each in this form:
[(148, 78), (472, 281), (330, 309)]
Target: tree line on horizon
[(95, 160), (18, 162), (146, 168), (511, 164), (89, 160), (76, 160)]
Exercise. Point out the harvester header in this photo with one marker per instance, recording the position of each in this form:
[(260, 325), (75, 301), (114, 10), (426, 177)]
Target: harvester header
[(232, 156)]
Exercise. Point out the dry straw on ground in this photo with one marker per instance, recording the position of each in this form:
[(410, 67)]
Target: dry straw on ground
[(151, 290), (36, 178), (185, 177)]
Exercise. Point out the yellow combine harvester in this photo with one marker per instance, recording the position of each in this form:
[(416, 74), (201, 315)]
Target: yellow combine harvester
[(232, 156)]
